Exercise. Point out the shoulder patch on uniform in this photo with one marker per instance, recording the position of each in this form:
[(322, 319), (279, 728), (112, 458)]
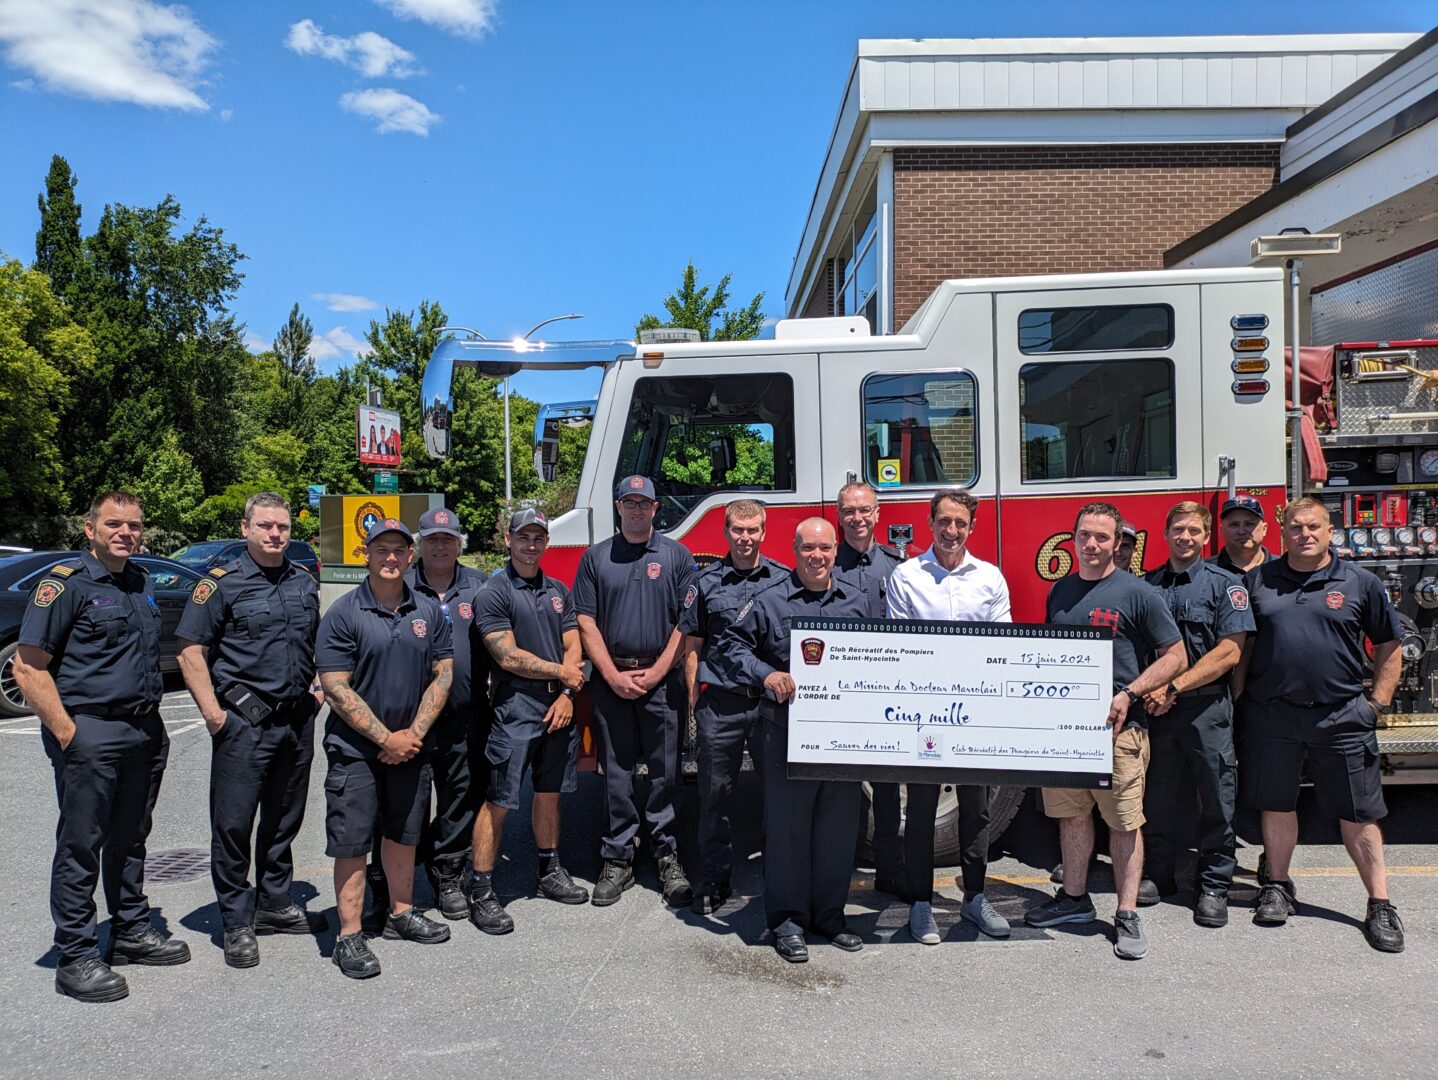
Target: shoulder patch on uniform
[(1238, 597), (204, 590), (64, 570), (690, 596), (47, 591)]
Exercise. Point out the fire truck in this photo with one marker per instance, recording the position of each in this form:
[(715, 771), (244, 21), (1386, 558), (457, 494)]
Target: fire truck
[(1037, 395)]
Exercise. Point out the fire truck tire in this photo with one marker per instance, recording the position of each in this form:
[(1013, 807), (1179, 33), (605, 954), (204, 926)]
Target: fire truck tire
[(1004, 804)]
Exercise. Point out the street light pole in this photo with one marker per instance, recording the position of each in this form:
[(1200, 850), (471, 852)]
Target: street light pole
[(508, 474)]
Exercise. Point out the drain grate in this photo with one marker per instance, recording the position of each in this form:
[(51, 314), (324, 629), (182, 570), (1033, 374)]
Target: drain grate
[(182, 864)]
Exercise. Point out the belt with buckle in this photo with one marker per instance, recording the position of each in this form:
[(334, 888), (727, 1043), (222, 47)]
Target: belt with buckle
[(1210, 690), (752, 693), (542, 686), (633, 663), (116, 714)]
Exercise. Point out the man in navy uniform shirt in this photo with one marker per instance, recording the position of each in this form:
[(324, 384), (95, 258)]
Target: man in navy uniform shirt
[(528, 625), (1193, 722), (727, 716), (1302, 679), (247, 643), (385, 662), (89, 665), (1240, 522), (808, 824), (628, 592)]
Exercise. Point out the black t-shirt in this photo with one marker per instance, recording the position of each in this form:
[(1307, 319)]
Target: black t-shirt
[(1134, 610), (459, 607), (537, 611), (634, 592)]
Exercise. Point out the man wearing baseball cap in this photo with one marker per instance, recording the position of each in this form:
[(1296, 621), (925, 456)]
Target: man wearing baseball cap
[(386, 664), (628, 593), (1241, 523)]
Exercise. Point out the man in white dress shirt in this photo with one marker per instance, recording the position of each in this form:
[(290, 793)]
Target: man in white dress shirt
[(948, 584)]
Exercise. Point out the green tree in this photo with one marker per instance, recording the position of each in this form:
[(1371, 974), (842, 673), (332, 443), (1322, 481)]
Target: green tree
[(170, 487), (706, 308), (297, 369), (58, 250)]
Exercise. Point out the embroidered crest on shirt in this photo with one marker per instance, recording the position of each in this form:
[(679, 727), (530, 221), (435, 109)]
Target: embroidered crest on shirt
[(653, 570), (419, 626), (204, 590), (46, 592), (466, 611), (691, 596), (557, 604), (1238, 597), (1335, 599)]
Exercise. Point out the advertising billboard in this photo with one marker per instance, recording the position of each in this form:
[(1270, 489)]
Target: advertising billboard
[(377, 436)]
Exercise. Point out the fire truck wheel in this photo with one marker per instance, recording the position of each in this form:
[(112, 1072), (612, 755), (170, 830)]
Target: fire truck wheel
[(1004, 804)]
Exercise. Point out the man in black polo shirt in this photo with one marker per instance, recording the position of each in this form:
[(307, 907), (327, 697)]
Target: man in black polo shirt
[(385, 662), (628, 592), (1241, 524), (89, 665), (727, 715), (529, 628), (1302, 679), (1147, 653), (247, 643)]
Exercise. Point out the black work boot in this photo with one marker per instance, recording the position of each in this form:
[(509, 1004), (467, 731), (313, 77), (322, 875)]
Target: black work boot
[(447, 881), (242, 948), (1383, 928), (149, 947), (677, 891), (1211, 909), (90, 979), (555, 883), (374, 916), (613, 880), (410, 925), (1276, 901), (290, 919), (488, 914), (354, 957)]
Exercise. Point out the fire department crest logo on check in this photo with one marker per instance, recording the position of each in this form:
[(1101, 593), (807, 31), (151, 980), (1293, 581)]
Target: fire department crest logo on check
[(653, 570), (812, 650), (1335, 599), (419, 626)]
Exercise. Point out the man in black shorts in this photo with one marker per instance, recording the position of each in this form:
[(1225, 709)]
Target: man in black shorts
[(385, 662), (528, 624), (1302, 677)]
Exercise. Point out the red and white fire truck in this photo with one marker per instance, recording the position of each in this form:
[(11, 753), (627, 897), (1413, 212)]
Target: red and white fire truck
[(1036, 394)]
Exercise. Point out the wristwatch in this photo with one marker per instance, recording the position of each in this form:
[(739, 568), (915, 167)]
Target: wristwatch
[(1380, 708), (1132, 696), (567, 692), (1172, 690)]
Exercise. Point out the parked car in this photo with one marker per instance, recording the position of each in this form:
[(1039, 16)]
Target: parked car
[(208, 554), (19, 574)]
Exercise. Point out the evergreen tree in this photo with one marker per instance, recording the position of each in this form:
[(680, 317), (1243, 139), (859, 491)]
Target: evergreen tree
[(57, 245)]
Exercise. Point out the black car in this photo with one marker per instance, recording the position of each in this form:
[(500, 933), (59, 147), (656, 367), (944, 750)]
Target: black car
[(19, 574), (208, 554)]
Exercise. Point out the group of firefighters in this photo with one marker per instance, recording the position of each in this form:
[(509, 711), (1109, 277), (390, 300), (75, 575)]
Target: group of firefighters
[(444, 684)]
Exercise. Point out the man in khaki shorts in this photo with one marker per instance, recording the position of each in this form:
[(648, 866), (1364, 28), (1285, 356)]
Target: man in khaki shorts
[(1147, 653)]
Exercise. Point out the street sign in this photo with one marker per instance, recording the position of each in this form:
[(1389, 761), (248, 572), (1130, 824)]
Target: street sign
[(386, 483), (315, 491)]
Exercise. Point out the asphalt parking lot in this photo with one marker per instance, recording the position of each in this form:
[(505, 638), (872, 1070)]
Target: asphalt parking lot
[(638, 990)]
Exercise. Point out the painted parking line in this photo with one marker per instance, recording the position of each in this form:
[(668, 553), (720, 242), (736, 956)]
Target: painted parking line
[(867, 882)]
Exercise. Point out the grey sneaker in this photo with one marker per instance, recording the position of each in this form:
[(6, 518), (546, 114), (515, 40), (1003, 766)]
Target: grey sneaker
[(1129, 942), (981, 913), (1063, 908), (922, 926)]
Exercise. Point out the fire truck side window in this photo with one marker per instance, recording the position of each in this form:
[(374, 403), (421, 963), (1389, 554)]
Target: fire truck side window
[(697, 435), (1106, 419), (1096, 329), (920, 429)]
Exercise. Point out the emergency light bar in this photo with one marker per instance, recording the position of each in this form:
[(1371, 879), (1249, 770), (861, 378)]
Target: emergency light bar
[(1294, 245)]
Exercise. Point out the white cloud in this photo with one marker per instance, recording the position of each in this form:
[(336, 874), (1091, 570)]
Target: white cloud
[(227, 115), (371, 54), (254, 343), (132, 51), (391, 110), (467, 18), (337, 342), (338, 301)]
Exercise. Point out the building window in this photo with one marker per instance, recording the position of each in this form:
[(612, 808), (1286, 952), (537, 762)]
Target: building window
[(920, 429), (856, 265), (1096, 329), (1105, 419), (704, 434)]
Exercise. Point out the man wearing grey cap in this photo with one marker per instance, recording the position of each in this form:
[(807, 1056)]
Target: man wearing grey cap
[(1241, 523), (628, 593)]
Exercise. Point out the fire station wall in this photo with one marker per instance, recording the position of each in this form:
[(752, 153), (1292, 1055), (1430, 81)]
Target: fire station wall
[(983, 212)]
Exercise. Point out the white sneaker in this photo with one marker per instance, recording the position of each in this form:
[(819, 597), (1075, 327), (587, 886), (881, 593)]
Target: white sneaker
[(922, 925)]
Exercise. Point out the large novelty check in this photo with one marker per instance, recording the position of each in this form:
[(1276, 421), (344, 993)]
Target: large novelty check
[(937, 702)]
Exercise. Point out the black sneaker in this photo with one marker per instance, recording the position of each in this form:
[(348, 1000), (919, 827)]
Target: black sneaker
[(710, 897), (673, 882), (410, 925), (1276, 901), (354, 958), (1063, 908), (149, 947), (1383, 928), (1211, 910), (90, 980), (556, 884), (288, 920), (488, 914), (242, 948), (449, 895), (613, 880)]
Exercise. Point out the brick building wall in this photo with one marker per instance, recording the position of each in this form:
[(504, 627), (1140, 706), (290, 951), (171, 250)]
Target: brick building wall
[(982, 212)]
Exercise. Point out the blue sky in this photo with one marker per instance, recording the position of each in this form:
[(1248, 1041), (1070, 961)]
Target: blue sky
[(513, 160)]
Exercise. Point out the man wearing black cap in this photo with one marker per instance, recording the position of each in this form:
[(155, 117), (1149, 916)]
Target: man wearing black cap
[(528, 624), (1241, 523), (628, 592), (1127, 545), (385, 662)]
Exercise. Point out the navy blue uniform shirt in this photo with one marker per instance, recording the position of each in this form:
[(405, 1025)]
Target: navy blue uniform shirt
[(460, 608), (1223, 562), (1133, 609), (538, 611), (871, 570), (260, 629), (757, 643), (634, 592), (722, 591), (391, 653), (1207, 604), (1310, 628), (102, 632)]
